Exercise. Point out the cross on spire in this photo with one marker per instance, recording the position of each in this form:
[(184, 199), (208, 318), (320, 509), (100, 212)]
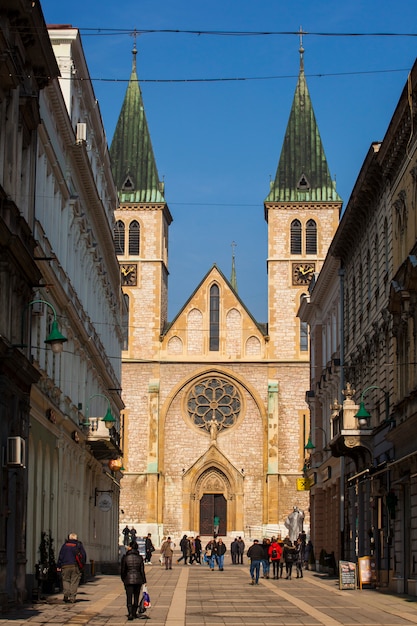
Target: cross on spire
[(233, 279), (301, 32), (134, 34)]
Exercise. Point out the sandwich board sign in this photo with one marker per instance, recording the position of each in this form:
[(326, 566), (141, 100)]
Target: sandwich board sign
[(347, 575)]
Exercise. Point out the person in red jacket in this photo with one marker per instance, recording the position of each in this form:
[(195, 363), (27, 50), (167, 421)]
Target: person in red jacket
[(275, 553)]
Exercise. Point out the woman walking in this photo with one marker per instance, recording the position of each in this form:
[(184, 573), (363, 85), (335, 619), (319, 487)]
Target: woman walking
[(185, 547), (132, 573), (289, 558), (275, 553)]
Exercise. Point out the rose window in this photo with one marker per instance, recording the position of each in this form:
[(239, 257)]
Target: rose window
[(214, 400)]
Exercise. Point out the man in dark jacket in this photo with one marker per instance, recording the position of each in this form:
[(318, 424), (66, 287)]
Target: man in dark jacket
[(71, 559), (149, 548), (234, 550), (132, 573), (256, 555)]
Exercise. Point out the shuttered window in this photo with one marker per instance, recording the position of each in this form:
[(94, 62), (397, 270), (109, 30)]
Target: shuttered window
[(119, 237)]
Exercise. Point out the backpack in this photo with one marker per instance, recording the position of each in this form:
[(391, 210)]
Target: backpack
[(274, 553)]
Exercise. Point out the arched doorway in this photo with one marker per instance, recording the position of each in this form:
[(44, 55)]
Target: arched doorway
[(212, 486), (213, 508)]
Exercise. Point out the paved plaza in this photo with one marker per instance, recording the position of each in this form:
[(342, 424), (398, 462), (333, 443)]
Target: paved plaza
[(194, 596)]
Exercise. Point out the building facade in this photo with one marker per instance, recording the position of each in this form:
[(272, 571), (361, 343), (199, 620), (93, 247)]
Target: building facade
[(61, 333), (371, 422), (215, 417), (19, 118)]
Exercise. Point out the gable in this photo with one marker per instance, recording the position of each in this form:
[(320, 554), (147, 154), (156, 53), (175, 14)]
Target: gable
[(214, 324)]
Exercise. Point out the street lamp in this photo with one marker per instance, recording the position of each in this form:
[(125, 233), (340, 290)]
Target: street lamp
[(55, 338), (108, 419), (363, 415), (310, 445)]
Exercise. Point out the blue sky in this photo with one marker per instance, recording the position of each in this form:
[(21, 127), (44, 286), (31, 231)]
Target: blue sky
[(217, 143)]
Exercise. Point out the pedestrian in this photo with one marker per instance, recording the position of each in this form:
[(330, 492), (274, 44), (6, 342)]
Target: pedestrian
[(185, 548), (126, 535), (132, 573), (161, 558), (256, 555), (307, 552), (133, 534), (197, 544), (275, 553), (211, 553), (71, 552), (265, 562), (167, 551), (241, 550), (289, 558), (299, 557), (220, 552), (192, 547), (149, 548), (281, 561), (216, 525), (234, 551)]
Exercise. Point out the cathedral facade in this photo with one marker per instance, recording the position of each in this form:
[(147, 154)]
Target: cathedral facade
[(216, 420)]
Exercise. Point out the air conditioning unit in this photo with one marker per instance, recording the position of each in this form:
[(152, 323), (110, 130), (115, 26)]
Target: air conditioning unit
[(15, 454), (81, 132)]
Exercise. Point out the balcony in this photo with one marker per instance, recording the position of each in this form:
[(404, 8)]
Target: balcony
[(103, 442), (352, 435)]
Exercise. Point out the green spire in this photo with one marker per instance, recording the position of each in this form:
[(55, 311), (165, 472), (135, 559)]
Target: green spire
[(302, 174), (133, 162)]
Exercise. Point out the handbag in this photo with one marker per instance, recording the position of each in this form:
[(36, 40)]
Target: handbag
[(79, 560), (145, 597)]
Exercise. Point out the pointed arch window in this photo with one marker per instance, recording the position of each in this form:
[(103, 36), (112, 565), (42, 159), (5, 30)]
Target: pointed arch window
[(134, 238), (303, 330), (214, 342), (119, 237), (311, 237), (296, 237)]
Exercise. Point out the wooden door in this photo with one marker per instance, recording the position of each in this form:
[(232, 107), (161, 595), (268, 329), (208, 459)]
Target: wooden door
[(212, 504)]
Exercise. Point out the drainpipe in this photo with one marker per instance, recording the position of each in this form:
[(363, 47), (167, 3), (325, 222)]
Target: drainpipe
[(342, 386)]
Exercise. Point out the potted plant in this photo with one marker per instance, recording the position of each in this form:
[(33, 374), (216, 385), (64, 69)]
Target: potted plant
[(46, 573)]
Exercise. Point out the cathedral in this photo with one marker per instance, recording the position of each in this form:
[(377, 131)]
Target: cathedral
[(216, 420)]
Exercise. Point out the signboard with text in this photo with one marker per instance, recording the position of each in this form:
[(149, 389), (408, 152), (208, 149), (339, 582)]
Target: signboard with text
[(367, 571), (347, 575)]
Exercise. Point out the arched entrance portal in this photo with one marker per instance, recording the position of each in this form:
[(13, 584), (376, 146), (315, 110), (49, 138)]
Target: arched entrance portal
[(213, 486), (213, 505)]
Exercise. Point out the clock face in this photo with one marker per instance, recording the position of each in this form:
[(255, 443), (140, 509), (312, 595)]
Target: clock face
[(302, 273), (129, 272)]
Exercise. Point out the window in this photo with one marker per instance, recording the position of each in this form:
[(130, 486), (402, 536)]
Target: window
[(311, 237), (303, 330), (214, 400), (368, 276), (377, 268), (295, 237), (119, 237), (134, 237), (214, 318), (303, 336)]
